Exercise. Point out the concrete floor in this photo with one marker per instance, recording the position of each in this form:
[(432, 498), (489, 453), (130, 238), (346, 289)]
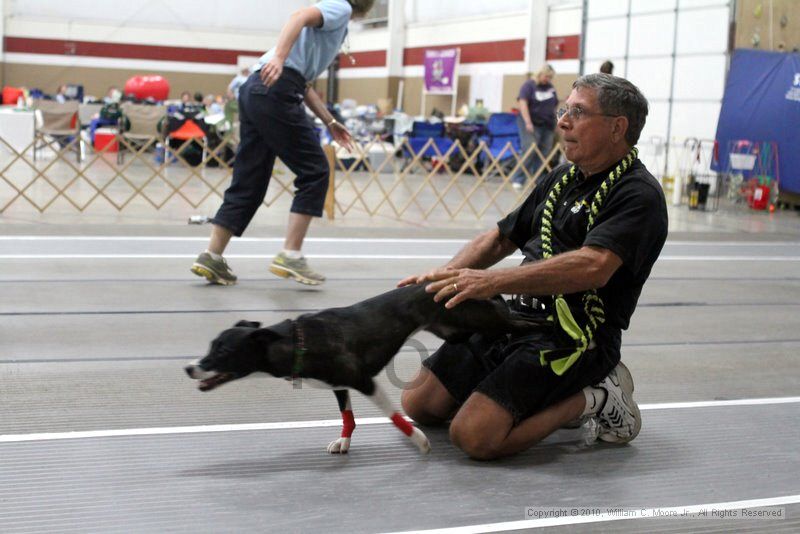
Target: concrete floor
[(100, 430)]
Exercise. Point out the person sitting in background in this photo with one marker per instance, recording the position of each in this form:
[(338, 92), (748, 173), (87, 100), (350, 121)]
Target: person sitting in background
[(537, 120), (61, 95), (113, 95), (191, 105), (109, 114), (607, 67), (478, 112), (211, 105)]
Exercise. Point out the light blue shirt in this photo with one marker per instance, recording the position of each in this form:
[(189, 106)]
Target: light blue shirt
[(316, 48)]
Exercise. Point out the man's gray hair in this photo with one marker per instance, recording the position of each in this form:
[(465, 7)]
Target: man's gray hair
[(619, 97)]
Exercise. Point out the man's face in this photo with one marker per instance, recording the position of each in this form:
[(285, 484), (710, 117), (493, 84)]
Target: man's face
[(587, 138)]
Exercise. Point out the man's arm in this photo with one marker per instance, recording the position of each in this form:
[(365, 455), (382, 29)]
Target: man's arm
[(578, 270), (570, 272), (482, 252), (308, 16)]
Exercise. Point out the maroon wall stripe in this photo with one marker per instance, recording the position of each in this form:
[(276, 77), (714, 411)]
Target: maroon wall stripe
[(62, 47), (513, 50), (564, 47), (372, 58)]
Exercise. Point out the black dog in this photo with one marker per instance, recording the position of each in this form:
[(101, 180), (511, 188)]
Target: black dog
[(346, 347)]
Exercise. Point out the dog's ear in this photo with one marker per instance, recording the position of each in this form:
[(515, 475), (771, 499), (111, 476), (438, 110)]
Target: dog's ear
[(248, 324), (280, 330), (270, 334)]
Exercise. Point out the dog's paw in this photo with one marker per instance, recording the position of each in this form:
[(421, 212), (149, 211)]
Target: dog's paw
[(419, 439), (339, 446)]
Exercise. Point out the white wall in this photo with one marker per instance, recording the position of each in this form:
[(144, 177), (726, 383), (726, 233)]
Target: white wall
[(218, 15), (675, 51), (449, 10), (565, 18)]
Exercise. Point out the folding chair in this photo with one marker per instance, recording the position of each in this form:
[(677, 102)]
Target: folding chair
[(182, 127), (420, 135), (500, 131), (60, 122), (86, 112), (139, 126)]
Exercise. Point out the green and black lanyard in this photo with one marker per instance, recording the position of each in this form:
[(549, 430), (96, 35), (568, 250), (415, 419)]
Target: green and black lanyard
[(561, 359)]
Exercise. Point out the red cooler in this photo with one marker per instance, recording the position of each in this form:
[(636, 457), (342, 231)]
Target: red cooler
[(106, 137)]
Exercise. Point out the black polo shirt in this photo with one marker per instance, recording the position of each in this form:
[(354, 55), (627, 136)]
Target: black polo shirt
[(632, 223)]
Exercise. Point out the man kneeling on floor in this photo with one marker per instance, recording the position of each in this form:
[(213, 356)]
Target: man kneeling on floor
[(590, 232)]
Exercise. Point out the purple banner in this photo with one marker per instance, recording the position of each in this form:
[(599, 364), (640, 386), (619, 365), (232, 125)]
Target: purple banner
[(440, 70)]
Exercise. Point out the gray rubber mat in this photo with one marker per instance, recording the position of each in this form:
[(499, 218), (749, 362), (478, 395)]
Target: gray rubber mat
[(283, 480), (96, 346)]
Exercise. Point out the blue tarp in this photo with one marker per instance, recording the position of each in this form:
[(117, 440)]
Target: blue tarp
[(762, 103)]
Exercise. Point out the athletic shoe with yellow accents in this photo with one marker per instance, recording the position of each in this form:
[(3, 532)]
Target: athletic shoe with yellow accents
[(296, 269), (215, 271)]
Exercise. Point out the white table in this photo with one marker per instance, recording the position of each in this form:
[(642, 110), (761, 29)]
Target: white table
[(16, 128)]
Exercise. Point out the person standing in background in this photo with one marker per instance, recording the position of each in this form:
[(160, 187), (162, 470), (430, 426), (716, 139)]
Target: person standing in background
[(537, 120), (237, 82), (273, 123)]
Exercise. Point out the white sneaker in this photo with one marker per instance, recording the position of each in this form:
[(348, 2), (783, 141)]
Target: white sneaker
[(517, 186), (619, 418)]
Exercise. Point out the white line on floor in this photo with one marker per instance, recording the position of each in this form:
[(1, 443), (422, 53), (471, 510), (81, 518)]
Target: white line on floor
[(288, 425), (720, 403), (641, 513), (355, 240), (345, 257), (237, 239), (227, 256)]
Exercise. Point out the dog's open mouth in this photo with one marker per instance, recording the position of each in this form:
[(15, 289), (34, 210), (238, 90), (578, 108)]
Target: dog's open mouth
[(214, 381), (208, 379)]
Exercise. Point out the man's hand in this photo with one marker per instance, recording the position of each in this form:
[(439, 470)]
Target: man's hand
[(341, 135), (529, 127), (271, 71), (459, 285), (437, 274)]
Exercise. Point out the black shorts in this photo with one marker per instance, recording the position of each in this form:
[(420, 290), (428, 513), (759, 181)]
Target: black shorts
[(508, 371), (273, 123)]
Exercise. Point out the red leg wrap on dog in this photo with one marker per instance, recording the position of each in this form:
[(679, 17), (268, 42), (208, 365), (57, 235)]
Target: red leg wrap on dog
[(348, 423), (404, 426)]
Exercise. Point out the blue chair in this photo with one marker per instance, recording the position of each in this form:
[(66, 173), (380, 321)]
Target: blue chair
[(420, 133), (501, 130)]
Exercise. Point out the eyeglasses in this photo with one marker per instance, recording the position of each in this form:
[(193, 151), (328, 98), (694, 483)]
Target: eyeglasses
[(576, 113)]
